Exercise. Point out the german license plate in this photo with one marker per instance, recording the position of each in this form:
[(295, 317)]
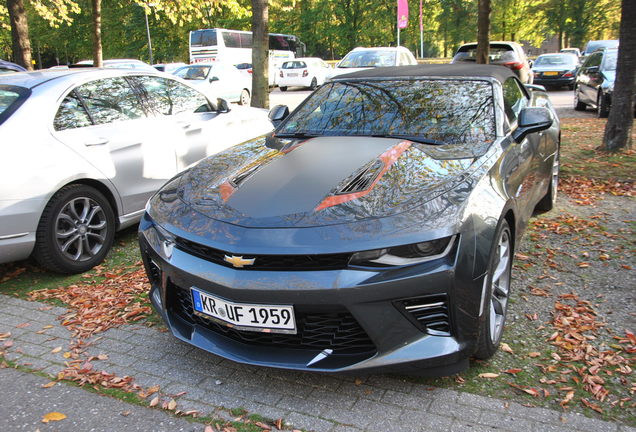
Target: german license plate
[(550, 73), (245, 316), (292, 74)]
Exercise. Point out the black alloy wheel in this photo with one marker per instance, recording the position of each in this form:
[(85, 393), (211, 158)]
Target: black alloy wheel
[(497, 293), (76, 230)]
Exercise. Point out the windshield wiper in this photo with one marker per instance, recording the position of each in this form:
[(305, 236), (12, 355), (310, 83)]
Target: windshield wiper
[(414, 138), (295, 135)]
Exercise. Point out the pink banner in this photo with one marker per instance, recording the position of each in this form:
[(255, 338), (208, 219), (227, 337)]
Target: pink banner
[(421, 25), (402, 13)]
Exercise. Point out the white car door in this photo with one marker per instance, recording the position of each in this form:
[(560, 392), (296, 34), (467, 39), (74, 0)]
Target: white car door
[(104, 121)]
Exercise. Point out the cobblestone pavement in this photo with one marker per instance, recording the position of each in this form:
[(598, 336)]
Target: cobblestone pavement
[(310, 401)]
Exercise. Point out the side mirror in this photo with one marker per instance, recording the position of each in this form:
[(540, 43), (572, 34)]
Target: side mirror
[(222, 106), (278, 114), (592, 69), (214, 78), (531, 120)]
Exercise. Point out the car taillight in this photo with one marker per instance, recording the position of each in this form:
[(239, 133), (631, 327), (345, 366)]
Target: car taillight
[(305, 73), (281, 74), (568, 75), (514, 65), (249, 71)]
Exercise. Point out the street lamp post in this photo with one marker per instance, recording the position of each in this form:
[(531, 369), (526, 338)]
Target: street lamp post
[(148, 34)]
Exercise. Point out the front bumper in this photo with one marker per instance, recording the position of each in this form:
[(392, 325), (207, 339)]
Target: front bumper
[(553, 81), (357, 313)]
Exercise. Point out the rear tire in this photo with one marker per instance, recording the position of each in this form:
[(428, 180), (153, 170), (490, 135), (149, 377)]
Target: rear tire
[(76, 230), (283, 88), (314, 83), (578, 105), (491, 324), (602, 106), (245, 98), (548, 201)]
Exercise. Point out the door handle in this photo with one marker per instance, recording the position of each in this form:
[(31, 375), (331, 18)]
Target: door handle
[(96, 142), (183, 124)]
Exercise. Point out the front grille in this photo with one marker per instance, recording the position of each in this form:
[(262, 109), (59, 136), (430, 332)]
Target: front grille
[(338, 331), (430, 312), (268, 262)]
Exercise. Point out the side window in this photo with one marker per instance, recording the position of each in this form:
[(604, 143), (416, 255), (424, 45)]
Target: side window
[(514, 99), (185, 99), (71, 114), (593, 60), (158, 93), (110, 100)]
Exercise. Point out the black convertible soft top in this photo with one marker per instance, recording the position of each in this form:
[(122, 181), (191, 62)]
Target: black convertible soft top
[(467, 70)]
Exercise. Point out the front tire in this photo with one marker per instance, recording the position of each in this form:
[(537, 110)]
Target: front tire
[(492, 321), (245, 98), (76, 230), (283, 88)]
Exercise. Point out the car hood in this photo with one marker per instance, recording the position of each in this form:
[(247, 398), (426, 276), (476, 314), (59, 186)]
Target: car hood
[(273, 182)]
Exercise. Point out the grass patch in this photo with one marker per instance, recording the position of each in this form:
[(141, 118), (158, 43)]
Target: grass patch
[(581, 156), (31, 277)]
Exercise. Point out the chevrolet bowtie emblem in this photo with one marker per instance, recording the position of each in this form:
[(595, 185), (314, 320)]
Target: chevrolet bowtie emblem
[(238, 261)]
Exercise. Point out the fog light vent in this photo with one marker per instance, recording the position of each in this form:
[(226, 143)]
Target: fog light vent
[(431, 313), (154, 273)]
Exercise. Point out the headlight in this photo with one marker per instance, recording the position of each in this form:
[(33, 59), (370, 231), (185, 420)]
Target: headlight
[(159, 239), (404, 255)]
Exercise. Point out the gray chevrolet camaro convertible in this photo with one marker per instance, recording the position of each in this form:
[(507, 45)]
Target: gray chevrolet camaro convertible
[(375, 228)]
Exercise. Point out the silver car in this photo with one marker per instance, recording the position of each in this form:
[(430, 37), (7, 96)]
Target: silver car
[(83, 150)]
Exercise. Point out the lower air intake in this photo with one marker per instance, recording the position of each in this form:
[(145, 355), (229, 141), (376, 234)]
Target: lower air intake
[(431, 313)]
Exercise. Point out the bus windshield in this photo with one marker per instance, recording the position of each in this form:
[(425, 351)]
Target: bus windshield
[(203, 38)]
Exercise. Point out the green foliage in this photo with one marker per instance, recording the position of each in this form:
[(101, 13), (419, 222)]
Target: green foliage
[(61, 29)]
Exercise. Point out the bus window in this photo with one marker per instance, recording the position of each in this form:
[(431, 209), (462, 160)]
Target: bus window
[(246, 40), (232, 40)]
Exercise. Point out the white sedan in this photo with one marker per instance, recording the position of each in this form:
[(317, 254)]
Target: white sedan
[(303, 72), (84, 149), (362, 58), (219, 80)]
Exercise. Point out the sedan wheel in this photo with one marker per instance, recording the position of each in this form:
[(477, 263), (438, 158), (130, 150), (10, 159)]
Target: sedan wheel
[(578, 105), (602, 107), (314, 84), (76, 230), (245, 97), (497, 294)]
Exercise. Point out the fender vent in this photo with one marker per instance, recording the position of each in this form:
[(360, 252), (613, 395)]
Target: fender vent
[(430, 312), (363, 179)]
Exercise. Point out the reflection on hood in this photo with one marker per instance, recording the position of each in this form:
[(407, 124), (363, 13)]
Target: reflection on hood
[(318, 181)]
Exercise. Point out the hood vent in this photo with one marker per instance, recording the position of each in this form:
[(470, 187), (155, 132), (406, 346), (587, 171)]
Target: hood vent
[(363, 179)]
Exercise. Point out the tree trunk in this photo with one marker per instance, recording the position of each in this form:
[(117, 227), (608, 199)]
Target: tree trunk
[(20, 34), (260, 54), (483, 28), (618, 130), (97, 33)]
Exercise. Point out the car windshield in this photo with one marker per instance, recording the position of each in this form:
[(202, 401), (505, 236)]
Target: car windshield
[(193, 72), (609, 64), (424, 110), (555, 60), (496, 54), (358, 59), (294, 65)]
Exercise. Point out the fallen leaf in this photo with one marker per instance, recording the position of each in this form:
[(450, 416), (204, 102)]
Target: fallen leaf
[(278, 423), (488, 375), (534, 354), (49, 384), (67, 354), (172, 404), (8, 344), (23, 325), (512, 371), (53, 416), (154, 401), (208, 428), (506, 348), (56, 350), (263, 426)]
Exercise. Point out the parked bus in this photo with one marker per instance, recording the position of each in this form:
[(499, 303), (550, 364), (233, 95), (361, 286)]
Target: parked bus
[(235, 46)]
